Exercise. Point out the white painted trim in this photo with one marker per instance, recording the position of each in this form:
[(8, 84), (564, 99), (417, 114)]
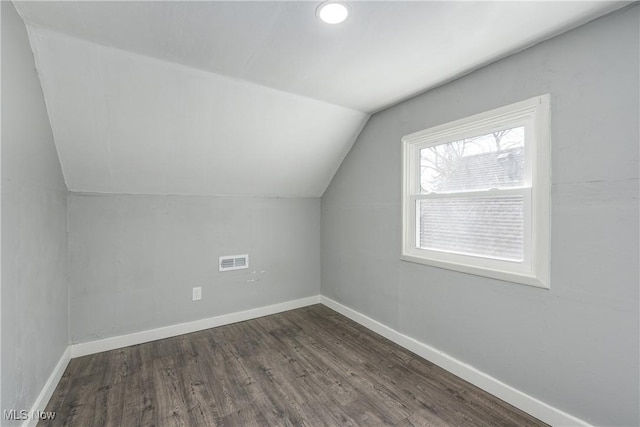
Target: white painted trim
[(112, 343), (48, 389), (533, 114), (517, 398), (511, 395)]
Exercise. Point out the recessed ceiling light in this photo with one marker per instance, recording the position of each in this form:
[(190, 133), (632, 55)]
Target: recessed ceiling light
[(332, 12)]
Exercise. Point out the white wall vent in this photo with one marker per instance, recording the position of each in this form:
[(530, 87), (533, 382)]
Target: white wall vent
[(233, 262)]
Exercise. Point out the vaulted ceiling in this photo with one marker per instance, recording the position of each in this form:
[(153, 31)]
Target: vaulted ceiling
[(251, 98)]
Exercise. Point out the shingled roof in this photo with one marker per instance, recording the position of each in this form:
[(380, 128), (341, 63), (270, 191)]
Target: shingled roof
[(498, 170), (484, 226)]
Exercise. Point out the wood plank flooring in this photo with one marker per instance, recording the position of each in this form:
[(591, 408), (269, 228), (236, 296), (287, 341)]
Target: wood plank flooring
[(308, 367)]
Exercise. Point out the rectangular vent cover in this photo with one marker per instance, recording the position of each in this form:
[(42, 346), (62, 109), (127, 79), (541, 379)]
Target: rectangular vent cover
[(233, 262)]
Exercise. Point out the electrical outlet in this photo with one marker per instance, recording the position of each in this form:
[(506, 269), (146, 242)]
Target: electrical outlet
[(197, 293)]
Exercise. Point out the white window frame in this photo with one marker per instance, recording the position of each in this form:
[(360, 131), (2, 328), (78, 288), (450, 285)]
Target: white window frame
[(533, 114)]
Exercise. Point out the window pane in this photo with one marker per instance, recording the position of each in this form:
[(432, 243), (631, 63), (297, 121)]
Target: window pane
[(482, 226), (493, 160)]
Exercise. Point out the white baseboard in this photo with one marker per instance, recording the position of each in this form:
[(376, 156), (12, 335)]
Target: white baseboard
[(515, 397), (112, 343), (48, 389)]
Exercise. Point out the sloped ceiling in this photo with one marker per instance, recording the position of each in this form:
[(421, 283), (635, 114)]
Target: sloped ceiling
[(251, 98)]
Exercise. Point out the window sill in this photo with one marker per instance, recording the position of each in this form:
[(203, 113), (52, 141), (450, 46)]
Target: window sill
[(507, 276)]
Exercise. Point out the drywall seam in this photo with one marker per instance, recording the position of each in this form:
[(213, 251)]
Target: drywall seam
[(92, 347), (179, 65), (504, 55), (36, 59), (1, 234), (345, 153), (68, 266), (48, 389), (220, 196), (511, 395)]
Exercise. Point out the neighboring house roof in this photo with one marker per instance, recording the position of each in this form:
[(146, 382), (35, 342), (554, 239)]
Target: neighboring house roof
[(485, 226), (486, 170)]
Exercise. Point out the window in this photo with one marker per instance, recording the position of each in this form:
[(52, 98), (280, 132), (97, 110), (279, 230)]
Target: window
[(476, 194)]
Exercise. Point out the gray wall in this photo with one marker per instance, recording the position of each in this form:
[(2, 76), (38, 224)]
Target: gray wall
[(574, 346), (34, 223), (133, 260)]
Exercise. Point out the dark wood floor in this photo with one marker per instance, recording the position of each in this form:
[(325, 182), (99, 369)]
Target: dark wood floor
[(310, 366)]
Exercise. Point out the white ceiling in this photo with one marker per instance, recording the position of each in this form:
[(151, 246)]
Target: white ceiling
[(251, 98)]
